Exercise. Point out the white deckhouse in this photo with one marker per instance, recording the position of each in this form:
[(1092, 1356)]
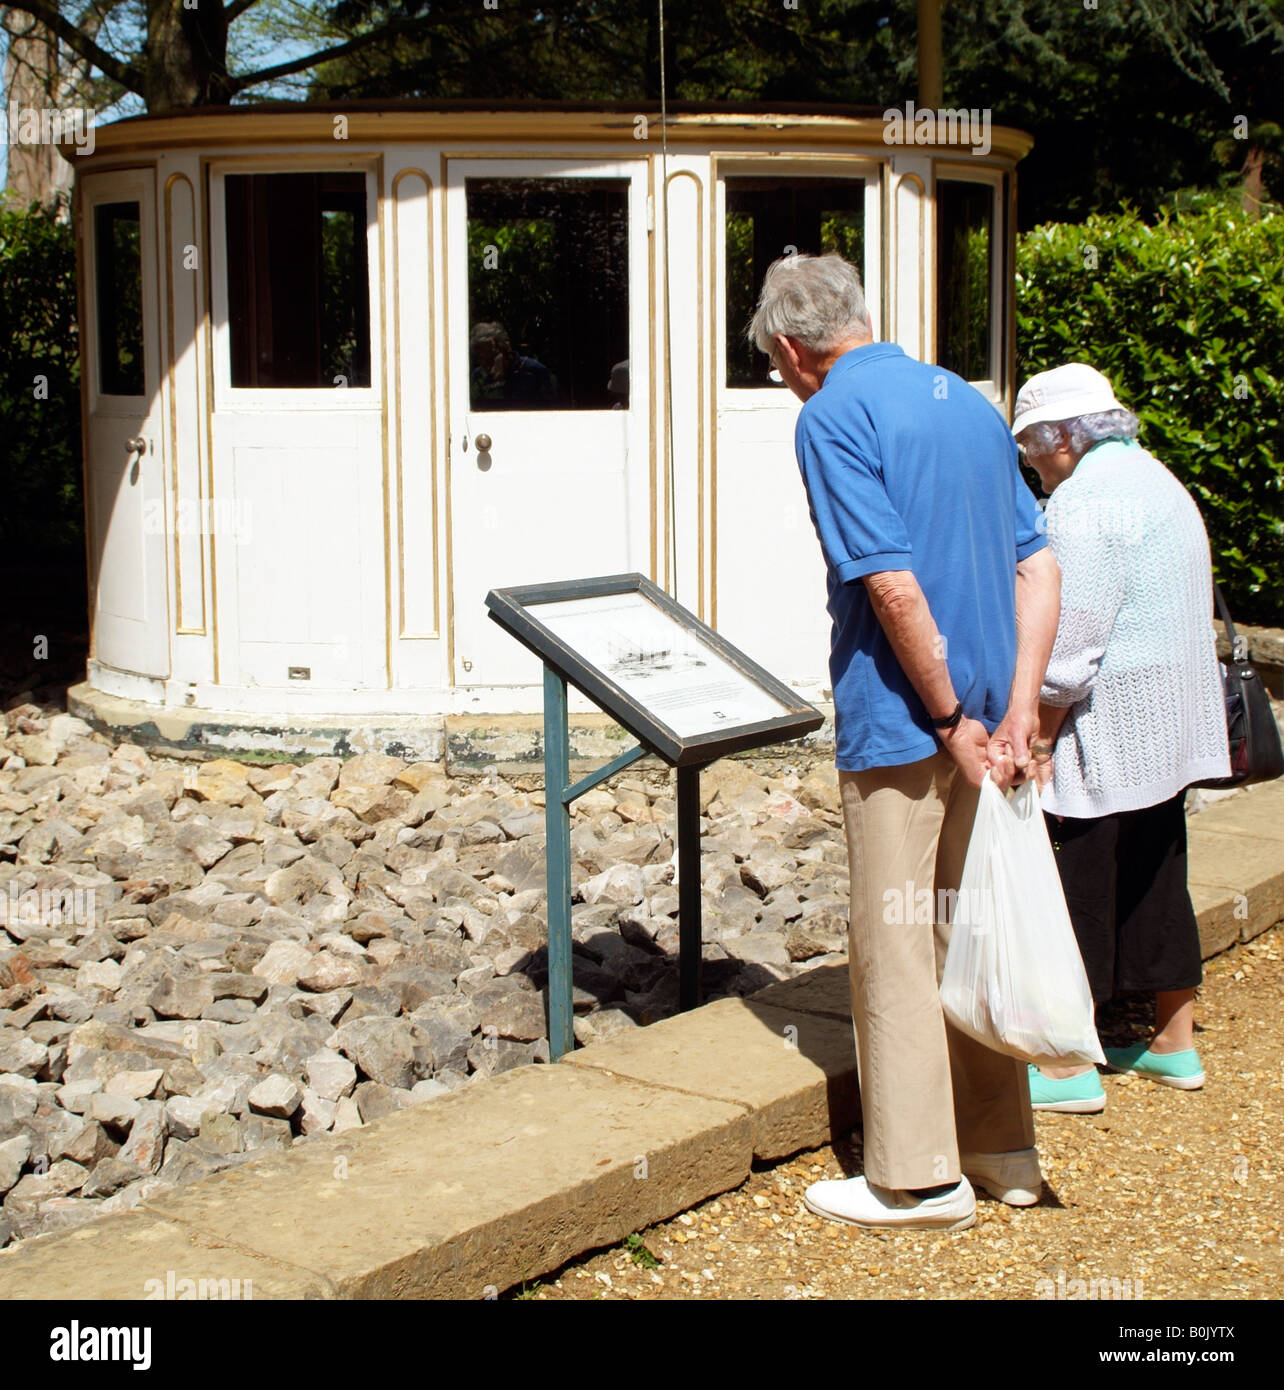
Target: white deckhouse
[(346, 370)]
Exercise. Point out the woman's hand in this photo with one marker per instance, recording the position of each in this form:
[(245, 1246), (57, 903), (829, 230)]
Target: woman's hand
[(1008, 750)]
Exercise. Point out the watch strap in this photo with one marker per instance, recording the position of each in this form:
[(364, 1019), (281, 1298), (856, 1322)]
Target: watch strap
[(951, 720)]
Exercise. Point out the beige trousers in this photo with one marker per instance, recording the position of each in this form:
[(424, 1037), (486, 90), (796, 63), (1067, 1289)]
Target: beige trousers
[(927, 1090)]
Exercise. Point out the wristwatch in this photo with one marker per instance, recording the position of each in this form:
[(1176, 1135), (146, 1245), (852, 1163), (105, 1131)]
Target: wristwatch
[(951, 720)]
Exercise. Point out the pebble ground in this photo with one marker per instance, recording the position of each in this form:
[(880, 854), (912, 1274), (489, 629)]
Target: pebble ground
[(1178, 1192)]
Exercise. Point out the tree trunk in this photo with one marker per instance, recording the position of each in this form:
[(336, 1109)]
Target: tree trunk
[(33, 78), (185, 57)]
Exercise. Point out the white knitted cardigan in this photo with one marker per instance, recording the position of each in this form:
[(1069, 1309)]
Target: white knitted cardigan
[(1135, 656)]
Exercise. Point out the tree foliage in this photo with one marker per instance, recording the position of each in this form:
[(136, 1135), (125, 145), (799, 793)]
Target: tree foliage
[(40, 503), (1186, 318)]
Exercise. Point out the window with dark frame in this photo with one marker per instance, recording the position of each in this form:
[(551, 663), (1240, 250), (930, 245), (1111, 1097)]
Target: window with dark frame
[(548, 293), (298, 280), (118, 281), (965, 260), (764, 218)]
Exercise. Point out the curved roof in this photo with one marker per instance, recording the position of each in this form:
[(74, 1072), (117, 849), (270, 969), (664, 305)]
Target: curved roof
[(743, 125)]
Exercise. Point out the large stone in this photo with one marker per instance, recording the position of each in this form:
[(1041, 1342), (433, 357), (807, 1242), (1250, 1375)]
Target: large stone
[(19, 1055), (266, 1132), (346, 1116), (601, 1026), (330, 1075), (283, 962), (103, 974), (447, 1033), (62, 1178), (110, 1176), (146, 1142), (183, 1116), (317, 778), (76, 1095), (762, 948), (327, 971), (13, 1154), (316, 1114), (16, 1105), (187, 997), (374, 1100), (384, 1049), (370, 770), (222, 781), (299, 883), (417, 985), (202, 842), (519, 1016), (137, 1085), (621, 883), (490, 1055), (116, 1112), (523, 865), (277, 1096), (88, 1145)]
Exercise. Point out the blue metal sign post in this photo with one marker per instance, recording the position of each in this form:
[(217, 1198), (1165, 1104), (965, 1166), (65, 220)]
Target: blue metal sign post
[(558, 795), (742, 706)]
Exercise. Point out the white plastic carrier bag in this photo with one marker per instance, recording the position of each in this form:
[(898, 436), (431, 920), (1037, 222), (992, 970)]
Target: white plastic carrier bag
[(1013, 977)]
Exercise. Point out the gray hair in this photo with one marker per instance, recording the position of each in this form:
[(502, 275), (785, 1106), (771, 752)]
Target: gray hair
[(1082, 431), (816, 299)]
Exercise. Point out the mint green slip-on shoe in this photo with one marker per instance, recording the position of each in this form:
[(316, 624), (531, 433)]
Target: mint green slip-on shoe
[(1180, 1069), (1073, 1095)]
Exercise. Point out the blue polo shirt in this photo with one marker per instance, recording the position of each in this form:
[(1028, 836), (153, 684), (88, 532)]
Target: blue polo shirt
[(907, 467)]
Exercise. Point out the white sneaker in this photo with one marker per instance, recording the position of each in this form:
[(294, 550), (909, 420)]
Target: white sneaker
[(1012, 1177), (861, 1203)]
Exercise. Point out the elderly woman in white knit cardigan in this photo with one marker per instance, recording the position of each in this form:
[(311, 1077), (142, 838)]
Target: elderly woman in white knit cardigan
[(1131, 715)]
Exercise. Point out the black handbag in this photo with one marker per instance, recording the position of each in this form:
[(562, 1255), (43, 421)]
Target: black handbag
[(1255, 751)]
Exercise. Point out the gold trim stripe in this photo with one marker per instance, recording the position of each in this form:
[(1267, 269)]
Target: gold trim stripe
[(171, 369), (429, 272), (701, 333)]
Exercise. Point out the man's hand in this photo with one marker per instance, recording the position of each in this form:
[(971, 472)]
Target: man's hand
[(1008, 752), (967, 743)]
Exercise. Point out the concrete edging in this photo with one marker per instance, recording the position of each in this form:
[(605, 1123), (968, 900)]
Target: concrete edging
[(471, 1193)]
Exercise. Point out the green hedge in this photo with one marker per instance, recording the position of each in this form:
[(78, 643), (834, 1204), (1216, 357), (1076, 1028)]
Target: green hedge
[(1186, 318), (41, 514)]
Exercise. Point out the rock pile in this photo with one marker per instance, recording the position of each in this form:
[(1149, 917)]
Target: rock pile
[(200, 963)]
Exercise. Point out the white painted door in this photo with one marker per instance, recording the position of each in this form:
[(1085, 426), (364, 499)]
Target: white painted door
[(124, 464), (771, 595), (298, 497), (549, 387)]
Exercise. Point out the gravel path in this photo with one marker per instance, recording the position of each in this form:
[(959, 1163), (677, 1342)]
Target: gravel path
[(1178, 1192)]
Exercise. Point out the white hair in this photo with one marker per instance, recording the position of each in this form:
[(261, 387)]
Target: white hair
[(816, 299), (1081, 432)]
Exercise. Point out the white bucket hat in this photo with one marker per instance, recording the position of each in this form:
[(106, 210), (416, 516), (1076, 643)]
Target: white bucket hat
[(1062, 394)]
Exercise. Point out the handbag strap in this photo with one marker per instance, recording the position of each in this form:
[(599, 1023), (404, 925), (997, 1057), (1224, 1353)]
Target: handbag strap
[(1239, 645)]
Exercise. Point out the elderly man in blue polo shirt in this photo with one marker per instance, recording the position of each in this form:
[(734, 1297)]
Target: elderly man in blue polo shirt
[(945, 602)]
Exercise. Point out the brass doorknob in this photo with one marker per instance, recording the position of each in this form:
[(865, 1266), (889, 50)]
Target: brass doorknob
[(483, 443)]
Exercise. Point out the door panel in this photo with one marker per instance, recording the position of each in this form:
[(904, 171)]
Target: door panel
[(124, 466), (300, 551), (547, 323)]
